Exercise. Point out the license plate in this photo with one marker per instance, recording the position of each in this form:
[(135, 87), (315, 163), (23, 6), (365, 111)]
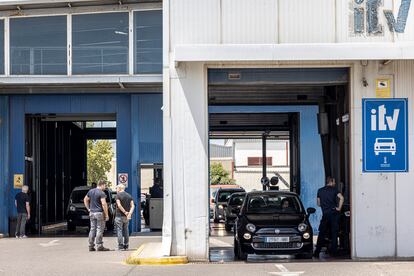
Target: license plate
[(85, 217), (277, 239)]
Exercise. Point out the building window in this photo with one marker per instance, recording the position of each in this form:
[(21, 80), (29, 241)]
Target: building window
[(1, 47), (258, 161), (38, 45), (148, 42), (100, 43)]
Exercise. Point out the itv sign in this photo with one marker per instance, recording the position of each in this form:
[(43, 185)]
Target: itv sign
[(385, 135)]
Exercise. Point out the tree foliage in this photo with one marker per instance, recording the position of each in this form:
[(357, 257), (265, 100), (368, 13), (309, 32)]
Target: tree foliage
[(99, 160), (218, 175)]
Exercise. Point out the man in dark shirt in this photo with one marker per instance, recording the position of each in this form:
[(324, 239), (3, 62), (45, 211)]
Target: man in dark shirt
[(95, 203), (125, 208), (327, 200), (22, 202)]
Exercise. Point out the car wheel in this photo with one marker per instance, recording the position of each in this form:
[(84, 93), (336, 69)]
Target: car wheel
[(228, 227), (71, 227), (307, 255), (110, 226), (235, 248), (241, 255)]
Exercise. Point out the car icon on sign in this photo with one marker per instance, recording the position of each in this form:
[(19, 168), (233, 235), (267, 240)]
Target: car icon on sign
[(385, 145)]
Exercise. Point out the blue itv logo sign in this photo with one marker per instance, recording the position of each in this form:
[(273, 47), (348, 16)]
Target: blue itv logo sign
[(385, 135)]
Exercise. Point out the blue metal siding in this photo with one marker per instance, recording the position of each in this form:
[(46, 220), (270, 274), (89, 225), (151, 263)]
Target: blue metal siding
[(312, 175), (139, 135), (146, 146), (4, 159)]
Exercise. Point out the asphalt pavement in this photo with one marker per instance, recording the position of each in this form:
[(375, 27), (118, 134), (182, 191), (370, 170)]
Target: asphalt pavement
[(63, 255)]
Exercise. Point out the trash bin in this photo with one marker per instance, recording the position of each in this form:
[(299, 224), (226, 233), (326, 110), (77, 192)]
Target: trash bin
[(12, 226)]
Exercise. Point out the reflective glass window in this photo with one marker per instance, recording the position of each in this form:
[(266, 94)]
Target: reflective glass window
[(38, 45), (148, 42), (100, 43)]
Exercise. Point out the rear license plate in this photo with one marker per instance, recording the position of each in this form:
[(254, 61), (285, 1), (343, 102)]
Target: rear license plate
[(85, 217), (277, 239)]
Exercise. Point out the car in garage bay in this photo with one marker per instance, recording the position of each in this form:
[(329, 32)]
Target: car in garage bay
[(77, 214), (220, 202), (233, 208), (273, 222)]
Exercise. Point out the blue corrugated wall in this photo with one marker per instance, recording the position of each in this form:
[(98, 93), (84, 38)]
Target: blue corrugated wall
[(139, 135), (312, 175), (4, 162)]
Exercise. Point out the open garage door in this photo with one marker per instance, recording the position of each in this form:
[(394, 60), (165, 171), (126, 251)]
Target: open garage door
[(56, 168), (307, 107)]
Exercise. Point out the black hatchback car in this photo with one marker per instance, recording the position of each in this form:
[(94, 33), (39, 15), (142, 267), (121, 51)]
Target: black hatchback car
[(273, 222), (77, 215), (233, 208), (220, 202)]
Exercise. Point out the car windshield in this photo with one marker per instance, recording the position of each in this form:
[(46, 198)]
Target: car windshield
[(224, 195), (78, 196), (274, 203), (385, 140), (237, 200)]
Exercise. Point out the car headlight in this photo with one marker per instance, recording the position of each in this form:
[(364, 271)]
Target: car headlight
[(250, 227), (220, 206), (72, 208), (247, 236), (306, 235), (302, 227)]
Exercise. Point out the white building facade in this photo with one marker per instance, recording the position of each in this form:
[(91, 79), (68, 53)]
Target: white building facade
[(373, 39)]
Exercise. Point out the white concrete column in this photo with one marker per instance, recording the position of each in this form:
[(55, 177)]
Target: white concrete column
[(186, 144), (373, 194)]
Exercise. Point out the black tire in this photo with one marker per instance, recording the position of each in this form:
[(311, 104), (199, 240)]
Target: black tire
[(308, 255), (235, 248), (110, 226), (228, 227), (241, 255), (71, 227)]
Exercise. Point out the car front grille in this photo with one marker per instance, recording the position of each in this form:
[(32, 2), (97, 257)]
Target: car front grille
[(277, 245)]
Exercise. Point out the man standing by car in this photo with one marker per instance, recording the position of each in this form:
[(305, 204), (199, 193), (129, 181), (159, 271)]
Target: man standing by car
[(22, 202), (95, 203), (125, 208), (327, 200)]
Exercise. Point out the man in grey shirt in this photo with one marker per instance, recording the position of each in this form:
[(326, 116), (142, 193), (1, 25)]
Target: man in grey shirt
[(95, 203), (125, 208)]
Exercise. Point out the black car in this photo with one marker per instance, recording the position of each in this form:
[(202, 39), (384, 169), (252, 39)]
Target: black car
[(233, 208), (273, 222), (220, 201), (77, 215)]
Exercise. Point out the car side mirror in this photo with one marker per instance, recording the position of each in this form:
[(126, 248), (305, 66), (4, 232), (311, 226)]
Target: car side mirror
[(310, 210)]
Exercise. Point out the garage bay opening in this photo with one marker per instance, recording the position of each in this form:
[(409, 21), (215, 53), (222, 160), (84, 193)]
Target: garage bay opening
[(283, 130), (65, 156)]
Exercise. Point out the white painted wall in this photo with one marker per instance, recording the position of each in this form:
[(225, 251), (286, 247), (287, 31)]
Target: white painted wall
[(275, 21), (381, 213), (253, 148)]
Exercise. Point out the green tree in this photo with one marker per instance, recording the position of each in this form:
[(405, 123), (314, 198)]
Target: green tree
[(99, 160), (218, 175)]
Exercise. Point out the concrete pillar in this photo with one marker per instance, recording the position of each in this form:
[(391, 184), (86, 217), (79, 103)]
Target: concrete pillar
[(186, 213)]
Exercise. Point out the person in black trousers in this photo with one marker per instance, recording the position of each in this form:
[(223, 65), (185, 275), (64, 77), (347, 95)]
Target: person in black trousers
[(327, 199)]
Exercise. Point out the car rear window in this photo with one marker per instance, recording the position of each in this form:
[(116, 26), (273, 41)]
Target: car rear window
[(237, 200), (225, 195), (274, 203)]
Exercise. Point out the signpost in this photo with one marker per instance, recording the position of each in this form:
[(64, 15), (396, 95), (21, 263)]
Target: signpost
[(123, 179), (385, 135)]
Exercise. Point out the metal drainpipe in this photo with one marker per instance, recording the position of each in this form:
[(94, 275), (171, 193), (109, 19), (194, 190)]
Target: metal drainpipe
[(264, 159)]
